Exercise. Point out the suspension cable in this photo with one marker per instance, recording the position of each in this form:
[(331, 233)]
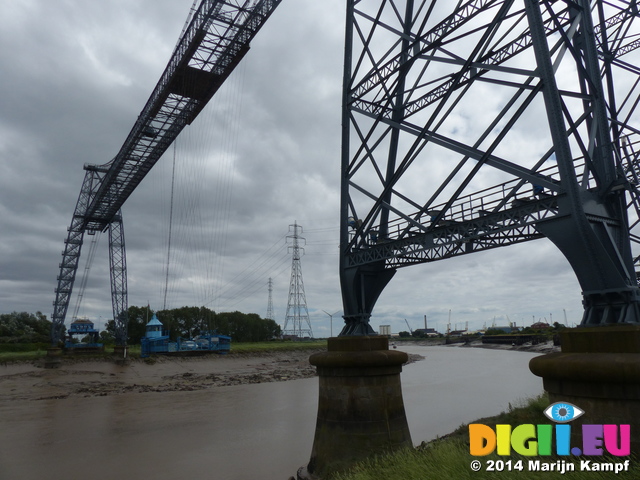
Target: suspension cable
[(173, 179)]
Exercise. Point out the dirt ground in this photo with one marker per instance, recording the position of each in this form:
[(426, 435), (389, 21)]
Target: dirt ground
[(88, 378)]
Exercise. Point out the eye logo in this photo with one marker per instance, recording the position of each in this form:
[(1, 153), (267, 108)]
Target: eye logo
[(562, 412)]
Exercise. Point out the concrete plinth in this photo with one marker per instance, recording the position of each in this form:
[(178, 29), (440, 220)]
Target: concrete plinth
[(598, 370), (53, 358), (360, 409), (120, 354)]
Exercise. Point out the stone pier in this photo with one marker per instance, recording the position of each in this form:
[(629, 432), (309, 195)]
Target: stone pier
[(598, 370), (360, 409)]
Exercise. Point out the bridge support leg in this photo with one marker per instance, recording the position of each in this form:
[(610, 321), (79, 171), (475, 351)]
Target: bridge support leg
[(360, 409), (361, 287), (53, 358), (121, 354), (591, 228), (118, 271), (598, 370)]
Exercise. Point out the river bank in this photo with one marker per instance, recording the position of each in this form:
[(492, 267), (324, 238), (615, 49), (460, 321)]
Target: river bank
[(80, 377), (95, 377), (204, 417), (545, 347)]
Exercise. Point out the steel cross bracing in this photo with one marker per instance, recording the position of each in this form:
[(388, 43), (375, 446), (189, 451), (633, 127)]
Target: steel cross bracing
[(215, 40), (214, 43), (476, 124)]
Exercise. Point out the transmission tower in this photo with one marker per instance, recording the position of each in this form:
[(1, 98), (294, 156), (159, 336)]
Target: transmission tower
[(297, 315), (270, 302), (478, 124)]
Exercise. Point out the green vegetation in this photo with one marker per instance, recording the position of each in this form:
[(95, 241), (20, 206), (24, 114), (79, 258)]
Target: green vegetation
[(23, 327), (549, 331), (277, 346), (187, 322), (449, 458), (10, 357), (30, 351)]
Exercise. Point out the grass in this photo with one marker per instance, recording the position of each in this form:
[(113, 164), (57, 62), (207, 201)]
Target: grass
[(134, 350), (9, 357), (277, 346), (449, 458)]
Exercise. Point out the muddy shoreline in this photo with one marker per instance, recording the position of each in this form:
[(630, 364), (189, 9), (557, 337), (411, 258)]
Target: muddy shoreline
[(78, 377), (90, 377)]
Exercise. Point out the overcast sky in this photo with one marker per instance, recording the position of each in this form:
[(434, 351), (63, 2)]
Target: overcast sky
[(74, 75)]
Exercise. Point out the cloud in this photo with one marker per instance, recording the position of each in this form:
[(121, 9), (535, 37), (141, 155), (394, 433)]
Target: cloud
[(265, 153)]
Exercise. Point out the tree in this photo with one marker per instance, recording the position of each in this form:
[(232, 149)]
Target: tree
[(188, 322), (107, 338), (23, 327), (494, 331), (138, 318)]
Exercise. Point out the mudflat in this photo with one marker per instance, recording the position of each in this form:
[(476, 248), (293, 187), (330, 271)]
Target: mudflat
[(78, 377)]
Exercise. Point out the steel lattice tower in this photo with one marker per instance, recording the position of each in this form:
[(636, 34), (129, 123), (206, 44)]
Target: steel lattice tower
[(296, 322), (270, 301), (477, 124)]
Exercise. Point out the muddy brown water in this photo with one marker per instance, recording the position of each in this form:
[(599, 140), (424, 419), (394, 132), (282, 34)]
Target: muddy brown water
[(239, 432)]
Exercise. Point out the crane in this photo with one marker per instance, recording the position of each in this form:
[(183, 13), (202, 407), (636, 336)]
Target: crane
[(409, 326), (215, 39)]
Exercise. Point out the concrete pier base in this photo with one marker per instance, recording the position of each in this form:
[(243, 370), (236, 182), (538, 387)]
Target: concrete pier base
[(598, 370), (360, 409), (120, 354), (53, 358)]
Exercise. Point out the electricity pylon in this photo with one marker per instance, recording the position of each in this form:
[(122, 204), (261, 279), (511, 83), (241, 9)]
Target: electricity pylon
[(270, 301), (296, 322)]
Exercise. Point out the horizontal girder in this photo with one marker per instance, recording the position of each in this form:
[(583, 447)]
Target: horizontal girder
[(214, 42)]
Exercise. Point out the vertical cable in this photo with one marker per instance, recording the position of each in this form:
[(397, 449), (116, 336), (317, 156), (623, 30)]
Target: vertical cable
[(173, 177)]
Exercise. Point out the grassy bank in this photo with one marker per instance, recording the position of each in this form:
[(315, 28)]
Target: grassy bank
[(39, 351), (449, 458), (277, 346)]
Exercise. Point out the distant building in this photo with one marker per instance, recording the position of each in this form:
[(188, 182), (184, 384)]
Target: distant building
[(540, 326), (457, 333), (426, 332), (384, 330)]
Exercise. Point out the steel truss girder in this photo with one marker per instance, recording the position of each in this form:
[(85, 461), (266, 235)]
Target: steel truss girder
[(213, 43), (397, 120), (453, 238)]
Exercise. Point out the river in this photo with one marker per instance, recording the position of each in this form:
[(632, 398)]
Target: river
[(244, 432)]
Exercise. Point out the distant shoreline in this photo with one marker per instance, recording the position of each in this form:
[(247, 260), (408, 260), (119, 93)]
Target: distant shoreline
[(546, 347)]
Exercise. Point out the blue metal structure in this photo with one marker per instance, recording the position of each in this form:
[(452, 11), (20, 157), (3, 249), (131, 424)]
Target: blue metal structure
[(157, 341), (84, 328)]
